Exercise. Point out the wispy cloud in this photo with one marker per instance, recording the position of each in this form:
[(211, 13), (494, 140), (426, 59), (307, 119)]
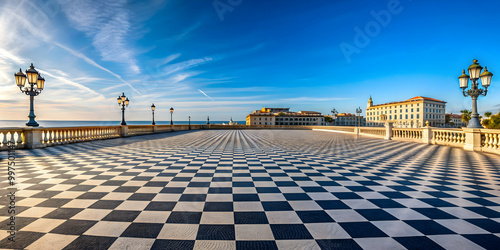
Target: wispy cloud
[(206, 95), (93, 63), (108, 24), (172, 68), (65, 79)]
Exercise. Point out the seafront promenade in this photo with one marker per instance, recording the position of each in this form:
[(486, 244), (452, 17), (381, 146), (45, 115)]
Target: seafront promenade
[(253, 189)]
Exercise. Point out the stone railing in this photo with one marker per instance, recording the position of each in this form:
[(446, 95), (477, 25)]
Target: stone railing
[(413, 134), (57, 136), (490, 140), (379, 132), (140, 129), (448, 137), (44, 137), (13, 135)]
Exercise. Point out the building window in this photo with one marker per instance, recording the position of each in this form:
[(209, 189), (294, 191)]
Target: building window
[(418, 116), (406, 116), (418, 109), (411, 116), (400, 116)]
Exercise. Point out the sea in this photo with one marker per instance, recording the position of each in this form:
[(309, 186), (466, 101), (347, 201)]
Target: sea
[(49, 123)]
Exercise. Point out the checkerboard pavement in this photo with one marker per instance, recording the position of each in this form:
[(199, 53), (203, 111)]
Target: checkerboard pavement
[(253, 189)]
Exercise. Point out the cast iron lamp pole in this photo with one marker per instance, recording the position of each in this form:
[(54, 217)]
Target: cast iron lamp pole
[(153, 110), (475, 91), (171, 112), (208, 120), (123, 101), (189, 122), (36, 82), (358, 111)]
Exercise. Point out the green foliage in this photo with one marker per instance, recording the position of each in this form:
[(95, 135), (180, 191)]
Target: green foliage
[(328, 119), (487, 114), (493, 122), (281, 114), (466, 115)]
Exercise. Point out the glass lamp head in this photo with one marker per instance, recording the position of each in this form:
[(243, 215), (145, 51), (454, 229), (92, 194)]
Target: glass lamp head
[(464, 80), (486, 77), (123, 97), (171, 110), (32, 74), (40, 82), (153, 107), (126, 102), (119, 99), (475, 70), (20, 78)]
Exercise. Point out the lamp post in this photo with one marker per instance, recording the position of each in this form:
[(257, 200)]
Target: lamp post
[(36, 84), (358, 111), (171, 112), (208, 120), (153, 110), (475, 91), (123, 101), (189, 122)]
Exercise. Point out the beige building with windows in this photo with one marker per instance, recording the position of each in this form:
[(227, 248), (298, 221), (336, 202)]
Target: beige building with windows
[(412, 113), (455, 121), (283, 116), (348, 119)]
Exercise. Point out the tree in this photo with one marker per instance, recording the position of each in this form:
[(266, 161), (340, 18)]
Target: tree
[(281, 114), (466, 115), (493, 122), (487, 114), (328, 119)]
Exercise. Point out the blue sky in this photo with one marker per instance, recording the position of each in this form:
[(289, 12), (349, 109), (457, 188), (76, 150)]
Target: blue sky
[(226, 58)]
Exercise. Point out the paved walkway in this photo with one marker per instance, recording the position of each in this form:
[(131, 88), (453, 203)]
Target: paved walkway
[(253, 189)]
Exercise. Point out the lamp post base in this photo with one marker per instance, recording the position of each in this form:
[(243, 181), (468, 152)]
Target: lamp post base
[(32, 124), (474, 123)]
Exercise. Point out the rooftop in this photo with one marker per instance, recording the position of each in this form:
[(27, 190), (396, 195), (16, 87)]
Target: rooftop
[(416, 98)]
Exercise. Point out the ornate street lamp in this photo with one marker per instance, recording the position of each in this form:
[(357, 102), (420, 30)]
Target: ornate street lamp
[(153, 110), (208, 120), (171, 112), (189, 122), (36, 84), (123, 101), (475, 91), (358, 111)]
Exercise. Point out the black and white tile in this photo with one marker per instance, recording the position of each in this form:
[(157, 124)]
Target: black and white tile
[(254, 189)]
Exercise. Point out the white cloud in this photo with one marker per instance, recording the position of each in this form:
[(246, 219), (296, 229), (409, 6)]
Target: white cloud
[(107, 22)]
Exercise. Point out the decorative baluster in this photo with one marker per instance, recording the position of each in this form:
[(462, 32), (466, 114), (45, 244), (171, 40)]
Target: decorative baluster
[(495, 141), (19, 138), (59, 137), (486, 141), (490, 140)]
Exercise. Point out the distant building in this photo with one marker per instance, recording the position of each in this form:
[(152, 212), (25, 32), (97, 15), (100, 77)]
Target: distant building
[(230, 122), (348, 119), (455, 121), (283, 116), (412, 113)]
